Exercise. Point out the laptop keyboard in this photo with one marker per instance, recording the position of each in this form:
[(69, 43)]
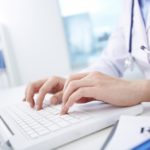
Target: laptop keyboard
[(37, 123)]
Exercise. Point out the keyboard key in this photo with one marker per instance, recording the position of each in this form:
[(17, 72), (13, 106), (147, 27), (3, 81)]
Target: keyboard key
[(66, 117), (36, 126), (63, 123), (38, 123), (73, 120), (33, 135), (42, 132), (29, 131), (53, 128), (39, 129)]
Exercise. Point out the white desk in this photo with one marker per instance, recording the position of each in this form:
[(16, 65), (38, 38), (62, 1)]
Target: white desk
[(93, 141)]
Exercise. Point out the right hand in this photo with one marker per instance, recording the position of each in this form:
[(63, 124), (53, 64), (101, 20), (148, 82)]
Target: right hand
[(53, 85)]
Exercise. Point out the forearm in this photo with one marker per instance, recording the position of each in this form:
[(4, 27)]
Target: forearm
[(139, 92), (127, 93), (144, 89)]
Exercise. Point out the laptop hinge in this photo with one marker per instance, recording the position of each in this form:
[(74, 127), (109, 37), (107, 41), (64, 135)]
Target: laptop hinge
[(5, 134), (6, 146)]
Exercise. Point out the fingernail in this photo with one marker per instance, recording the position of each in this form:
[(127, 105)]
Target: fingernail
[(31, 105), (36, 107), (63, 110)]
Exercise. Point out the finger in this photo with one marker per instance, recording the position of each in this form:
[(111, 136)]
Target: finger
[(77, 95), (74, 85), (85, 100), (46, 88), (25, 94), (74, 77), (30, 95), (31, 90), (56, 98), (25, 97)]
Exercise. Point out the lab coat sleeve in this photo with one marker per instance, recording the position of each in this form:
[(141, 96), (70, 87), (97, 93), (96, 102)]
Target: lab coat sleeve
[(111, 61)]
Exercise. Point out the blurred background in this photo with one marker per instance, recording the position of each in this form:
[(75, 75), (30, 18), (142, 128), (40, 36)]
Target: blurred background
[(41, 38), (88, 25)]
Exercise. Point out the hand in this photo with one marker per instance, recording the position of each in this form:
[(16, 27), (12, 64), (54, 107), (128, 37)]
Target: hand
[(52, 85), (96, 85)]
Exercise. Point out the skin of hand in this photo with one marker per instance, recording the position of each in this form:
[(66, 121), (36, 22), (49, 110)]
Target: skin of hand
[(85, 87), (96, 85), (52, 85)]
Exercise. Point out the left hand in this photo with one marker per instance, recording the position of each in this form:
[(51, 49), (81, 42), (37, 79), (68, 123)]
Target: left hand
[(95, 85)]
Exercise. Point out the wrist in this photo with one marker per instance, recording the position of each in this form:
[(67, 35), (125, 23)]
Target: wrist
[(141, 90), (145, 90)]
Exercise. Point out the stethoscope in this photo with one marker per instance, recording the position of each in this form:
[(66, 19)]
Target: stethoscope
[(129, 61)]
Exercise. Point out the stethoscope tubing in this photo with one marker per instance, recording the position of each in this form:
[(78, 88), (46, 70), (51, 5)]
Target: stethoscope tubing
[(131, 28)]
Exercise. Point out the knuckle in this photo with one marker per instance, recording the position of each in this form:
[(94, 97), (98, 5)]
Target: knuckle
[(81, 92), (70, 77), (42, 90), (52, 78), (31, 85), (72, 84), (95, 73)]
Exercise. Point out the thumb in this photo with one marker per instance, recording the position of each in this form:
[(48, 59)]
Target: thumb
[(56, 98)]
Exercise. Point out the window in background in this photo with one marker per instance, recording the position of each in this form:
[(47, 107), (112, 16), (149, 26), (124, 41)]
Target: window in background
[(88, 25)]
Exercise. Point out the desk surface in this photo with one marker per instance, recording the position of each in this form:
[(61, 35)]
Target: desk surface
[(93, 141)]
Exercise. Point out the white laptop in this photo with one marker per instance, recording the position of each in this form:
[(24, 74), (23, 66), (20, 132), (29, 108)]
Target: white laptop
[(23, 128)]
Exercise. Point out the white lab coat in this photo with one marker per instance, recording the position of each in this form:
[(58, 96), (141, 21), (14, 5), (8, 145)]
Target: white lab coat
[(112, 60)]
